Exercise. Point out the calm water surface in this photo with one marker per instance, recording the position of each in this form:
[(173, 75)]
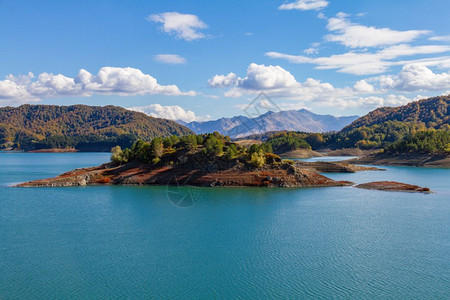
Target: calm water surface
[(247, 243)]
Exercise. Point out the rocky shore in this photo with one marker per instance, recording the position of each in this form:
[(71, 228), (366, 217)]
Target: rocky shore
[(199, 170), (409, 159), (334, 167), (281, 175), (300, 154), (393, 186)]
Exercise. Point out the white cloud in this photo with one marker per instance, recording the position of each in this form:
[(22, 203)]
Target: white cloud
[(49, 85), (220, 81), (173, 59), (364, 63), (359, 36), (390, 100), (416, 77), (278, 82), (108, 81), (261, 77), (311, 50), (363, 86), (183, 26), (442, 38), (12, 93), (304, 5), (124, 81), (174, 112)]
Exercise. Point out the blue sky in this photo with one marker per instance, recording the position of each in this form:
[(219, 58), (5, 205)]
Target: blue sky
[(195, 60)]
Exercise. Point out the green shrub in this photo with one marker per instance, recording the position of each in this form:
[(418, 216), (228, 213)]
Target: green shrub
[(257, 159)]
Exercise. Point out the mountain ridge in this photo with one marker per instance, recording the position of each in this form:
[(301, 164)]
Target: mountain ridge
[(432, 112), (292, 120)]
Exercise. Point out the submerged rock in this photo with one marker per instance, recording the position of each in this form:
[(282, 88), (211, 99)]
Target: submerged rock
[(393, 186)]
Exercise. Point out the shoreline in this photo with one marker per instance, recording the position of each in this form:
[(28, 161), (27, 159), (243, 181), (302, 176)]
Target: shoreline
[(404, 160), (70, 150), (237, 175)]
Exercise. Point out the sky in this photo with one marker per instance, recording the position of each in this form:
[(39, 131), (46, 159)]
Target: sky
[(199, 60)]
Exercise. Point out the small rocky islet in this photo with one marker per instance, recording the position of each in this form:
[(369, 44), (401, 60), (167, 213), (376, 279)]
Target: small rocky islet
[(197, 172)]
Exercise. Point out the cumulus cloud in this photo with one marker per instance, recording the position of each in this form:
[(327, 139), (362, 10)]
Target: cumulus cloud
[(363, 86), (304, 5), (358, 36), (184, 26), (12, 93), (173, 59), (365, 63), (261, 77), (108, 81), (173, 112), (416, 77), (220, 81), (278, 82)]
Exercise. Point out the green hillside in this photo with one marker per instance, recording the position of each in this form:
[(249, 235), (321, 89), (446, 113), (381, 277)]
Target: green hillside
[(429, 142), (89, 128)]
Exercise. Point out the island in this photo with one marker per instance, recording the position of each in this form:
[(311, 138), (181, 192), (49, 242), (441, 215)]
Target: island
[(210, 160), (199, 160)]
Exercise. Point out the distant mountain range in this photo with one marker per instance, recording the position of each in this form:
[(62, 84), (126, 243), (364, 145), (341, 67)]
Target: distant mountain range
[(292, 120)]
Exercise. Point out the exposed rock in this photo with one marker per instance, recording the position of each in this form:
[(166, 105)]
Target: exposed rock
[(393, 186), (349, 152), (409, 159), (334, 167), (278, 175), (300, 154)]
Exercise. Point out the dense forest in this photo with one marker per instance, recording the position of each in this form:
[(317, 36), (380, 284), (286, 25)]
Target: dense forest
[(86, 128), (429, 142), (392, 135)]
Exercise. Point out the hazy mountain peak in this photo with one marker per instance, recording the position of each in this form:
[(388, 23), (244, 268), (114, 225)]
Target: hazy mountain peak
[(295, 120)]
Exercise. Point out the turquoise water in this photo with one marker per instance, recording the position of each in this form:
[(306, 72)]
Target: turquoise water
[(248, 243)]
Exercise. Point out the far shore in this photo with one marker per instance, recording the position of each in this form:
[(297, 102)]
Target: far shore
[(409, 160), (53, 150)]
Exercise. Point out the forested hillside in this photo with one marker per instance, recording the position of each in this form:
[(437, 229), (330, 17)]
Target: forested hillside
[(429, 142), (90, 128), (428, 113)]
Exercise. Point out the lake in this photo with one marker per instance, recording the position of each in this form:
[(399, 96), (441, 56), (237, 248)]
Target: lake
[(201, 243)]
